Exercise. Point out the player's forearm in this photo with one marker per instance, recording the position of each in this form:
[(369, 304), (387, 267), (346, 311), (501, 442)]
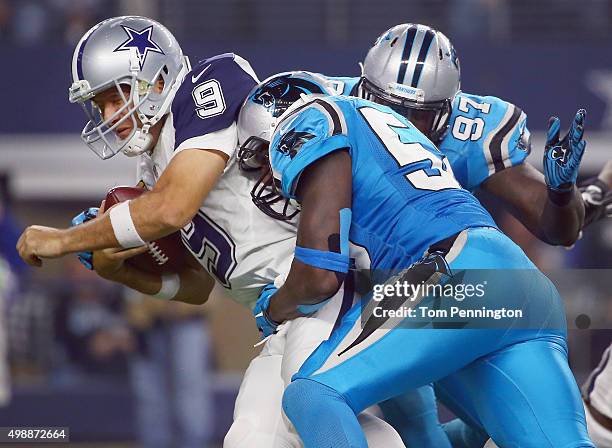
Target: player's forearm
[(562, 218), (151, 216), (304, 286), (154, 214), (195, 287), (554, 219)]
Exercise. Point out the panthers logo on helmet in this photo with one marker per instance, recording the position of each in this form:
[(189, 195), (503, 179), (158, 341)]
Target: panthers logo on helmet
[(278, 95), (292, 142)]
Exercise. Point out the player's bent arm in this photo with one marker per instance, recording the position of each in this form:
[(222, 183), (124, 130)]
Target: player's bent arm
[(174, 200), (523, 191), (324, 189), (195, 283)]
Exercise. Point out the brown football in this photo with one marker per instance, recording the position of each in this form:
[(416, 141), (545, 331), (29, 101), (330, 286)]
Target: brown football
[(165, 254)]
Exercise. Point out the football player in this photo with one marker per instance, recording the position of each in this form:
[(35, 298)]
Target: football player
[(364, 174), (142, 99), (415, 70)]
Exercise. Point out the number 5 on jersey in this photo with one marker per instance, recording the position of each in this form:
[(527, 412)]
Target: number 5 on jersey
[(429, 170)]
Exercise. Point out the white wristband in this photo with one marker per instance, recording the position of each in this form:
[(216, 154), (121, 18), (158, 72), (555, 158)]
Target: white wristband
[(123, 226), (171, 283)]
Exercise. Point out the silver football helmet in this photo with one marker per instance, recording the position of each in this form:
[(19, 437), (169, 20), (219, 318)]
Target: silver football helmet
[(414, 70), (127, 51), (263, 108)]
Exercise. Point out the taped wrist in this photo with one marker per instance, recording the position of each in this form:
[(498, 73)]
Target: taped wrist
[(171, 283), (123, 226), (561, 197)]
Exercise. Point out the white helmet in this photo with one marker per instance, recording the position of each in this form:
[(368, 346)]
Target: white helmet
[(132, 51), (414, 70), (263, 108)]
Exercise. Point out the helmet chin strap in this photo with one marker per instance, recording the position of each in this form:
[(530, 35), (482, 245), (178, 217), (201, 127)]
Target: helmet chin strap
[(140, 142)]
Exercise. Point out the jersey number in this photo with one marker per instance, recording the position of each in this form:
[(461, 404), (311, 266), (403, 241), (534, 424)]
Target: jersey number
[(208, 98), (466, 128), (428, 171), (210, 243)]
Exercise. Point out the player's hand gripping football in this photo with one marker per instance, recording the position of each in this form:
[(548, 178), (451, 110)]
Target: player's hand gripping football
[(562, 156), (263, 321), (108, 262)]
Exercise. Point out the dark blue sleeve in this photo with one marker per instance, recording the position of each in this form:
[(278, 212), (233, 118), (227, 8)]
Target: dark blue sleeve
[(211, 95)]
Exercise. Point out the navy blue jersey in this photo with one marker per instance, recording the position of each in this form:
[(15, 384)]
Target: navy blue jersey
[(485, 134), (210, 96), (405, 197)]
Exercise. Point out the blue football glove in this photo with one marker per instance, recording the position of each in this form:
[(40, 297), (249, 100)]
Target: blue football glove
[(266, 325), (86, 258), (562, 157)]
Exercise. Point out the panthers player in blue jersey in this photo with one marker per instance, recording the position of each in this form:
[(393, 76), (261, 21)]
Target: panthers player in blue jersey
[(415, 70), (364, 174)]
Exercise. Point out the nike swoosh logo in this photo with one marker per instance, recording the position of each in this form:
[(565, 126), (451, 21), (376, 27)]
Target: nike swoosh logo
[(194, 78)]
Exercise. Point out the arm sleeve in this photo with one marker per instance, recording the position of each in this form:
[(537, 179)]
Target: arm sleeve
[(207, 104), (505, 143), (300, 140)]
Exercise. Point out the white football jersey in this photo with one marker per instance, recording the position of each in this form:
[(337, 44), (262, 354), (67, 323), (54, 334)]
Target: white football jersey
[(241, 247)]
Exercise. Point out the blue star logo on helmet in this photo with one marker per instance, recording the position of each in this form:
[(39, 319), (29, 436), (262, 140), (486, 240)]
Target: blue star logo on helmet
[(141, 41)]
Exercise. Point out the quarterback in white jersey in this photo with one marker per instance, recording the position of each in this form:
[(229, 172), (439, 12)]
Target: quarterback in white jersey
[(131, 77), (597, 395)]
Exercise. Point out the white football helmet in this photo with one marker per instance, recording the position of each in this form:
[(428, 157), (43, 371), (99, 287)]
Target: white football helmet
[(264, 107), (131, 51)]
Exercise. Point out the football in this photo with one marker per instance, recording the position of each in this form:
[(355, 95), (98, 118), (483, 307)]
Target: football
[(165, 254)]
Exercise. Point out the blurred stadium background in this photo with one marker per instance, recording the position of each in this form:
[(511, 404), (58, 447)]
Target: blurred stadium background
[(88, 355)]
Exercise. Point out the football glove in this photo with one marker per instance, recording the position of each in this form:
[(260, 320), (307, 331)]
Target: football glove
[(266, 325), (597, 199), (562, 157), (86, 258)]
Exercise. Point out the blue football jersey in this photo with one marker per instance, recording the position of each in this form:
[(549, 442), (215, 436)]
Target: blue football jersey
[(210, 97), (485, 134), (405, 197)]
